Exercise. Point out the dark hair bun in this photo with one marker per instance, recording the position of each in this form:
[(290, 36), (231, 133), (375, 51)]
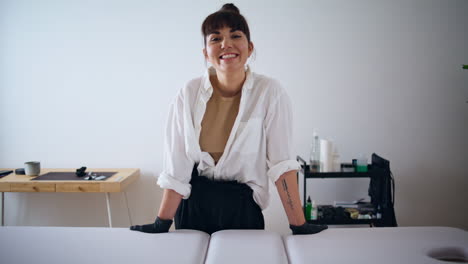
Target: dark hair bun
[(229, 8)]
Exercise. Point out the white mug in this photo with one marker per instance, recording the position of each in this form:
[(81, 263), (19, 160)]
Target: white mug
[(32, 168)]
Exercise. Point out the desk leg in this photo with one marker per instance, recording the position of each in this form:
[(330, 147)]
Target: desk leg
[(3, 208), (128, 209), (108, 209)]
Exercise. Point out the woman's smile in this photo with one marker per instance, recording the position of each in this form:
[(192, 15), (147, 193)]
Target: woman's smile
[(229, 56)]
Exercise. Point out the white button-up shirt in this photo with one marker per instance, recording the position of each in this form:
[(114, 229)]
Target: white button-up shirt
[(259, 146)]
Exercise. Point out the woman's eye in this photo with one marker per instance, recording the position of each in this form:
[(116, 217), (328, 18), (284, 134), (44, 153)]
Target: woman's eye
[(236, 36), (215, 39)]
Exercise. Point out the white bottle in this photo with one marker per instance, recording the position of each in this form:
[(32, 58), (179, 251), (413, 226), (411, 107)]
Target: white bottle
[(326, 155), (315, 153)]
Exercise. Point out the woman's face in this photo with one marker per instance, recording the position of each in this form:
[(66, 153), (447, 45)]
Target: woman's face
[(227, 50)]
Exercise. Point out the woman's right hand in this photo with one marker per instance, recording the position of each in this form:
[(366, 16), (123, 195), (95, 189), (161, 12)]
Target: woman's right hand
[(307, 229)]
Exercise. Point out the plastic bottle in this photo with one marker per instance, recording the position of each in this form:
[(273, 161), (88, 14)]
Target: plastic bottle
[(308, 214), (315, 153), (314, 211), (336, 159)]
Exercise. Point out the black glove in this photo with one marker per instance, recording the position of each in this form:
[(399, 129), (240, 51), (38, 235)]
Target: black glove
[(159, 226), (307, 229)]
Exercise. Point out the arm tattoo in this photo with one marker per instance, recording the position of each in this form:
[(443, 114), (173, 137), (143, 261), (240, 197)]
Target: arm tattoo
[(285, 188)]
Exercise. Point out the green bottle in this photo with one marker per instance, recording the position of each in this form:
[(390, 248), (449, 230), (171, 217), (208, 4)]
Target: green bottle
[(308, 209)]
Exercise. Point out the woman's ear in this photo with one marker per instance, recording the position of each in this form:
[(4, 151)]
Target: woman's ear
[(205, 54), (251, 48)]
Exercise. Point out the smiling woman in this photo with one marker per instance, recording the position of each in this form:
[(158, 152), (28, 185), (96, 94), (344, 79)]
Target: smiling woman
[(228, 133)]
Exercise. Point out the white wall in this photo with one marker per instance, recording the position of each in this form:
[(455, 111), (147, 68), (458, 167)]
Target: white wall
[(88, 83)]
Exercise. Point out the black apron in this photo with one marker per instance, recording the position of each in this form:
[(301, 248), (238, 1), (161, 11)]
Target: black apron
[(218, 205)]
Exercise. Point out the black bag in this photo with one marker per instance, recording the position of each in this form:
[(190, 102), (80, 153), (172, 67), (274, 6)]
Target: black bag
[(382, 191)]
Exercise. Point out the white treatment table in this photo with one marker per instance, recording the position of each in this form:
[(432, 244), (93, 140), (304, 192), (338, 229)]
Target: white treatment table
[(50, 245), (377, 245)]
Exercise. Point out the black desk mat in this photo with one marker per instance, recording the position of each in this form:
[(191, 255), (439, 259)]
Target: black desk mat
[(69, 176)]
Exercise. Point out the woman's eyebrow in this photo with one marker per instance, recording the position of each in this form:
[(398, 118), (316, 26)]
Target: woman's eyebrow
[(215, 32)]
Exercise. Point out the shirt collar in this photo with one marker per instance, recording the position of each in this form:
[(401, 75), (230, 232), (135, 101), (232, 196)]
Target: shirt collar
[(210, 71)]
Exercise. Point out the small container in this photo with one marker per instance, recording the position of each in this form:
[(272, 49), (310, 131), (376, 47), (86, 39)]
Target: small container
[(32, 168), (361, 164), (347, 167)]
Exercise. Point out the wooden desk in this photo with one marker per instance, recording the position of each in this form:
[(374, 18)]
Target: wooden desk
[(116, 183)]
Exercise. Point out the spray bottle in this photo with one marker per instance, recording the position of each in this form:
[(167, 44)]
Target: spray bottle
[(315, 153)]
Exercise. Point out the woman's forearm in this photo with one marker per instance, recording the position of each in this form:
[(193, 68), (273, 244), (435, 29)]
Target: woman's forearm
[(288, 190), (169, 204)]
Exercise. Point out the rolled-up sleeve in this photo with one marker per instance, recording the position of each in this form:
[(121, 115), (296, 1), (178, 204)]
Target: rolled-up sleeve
[(279, 128), (177, 165)]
